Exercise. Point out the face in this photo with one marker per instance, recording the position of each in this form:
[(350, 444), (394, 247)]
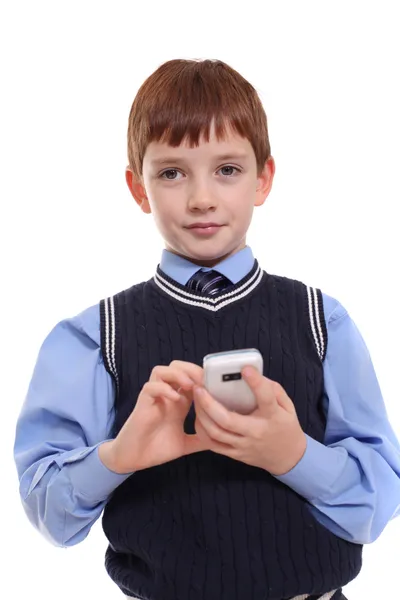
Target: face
[(202, 198)]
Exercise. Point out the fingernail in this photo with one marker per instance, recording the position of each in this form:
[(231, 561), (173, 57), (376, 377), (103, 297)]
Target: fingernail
[(247, 371)]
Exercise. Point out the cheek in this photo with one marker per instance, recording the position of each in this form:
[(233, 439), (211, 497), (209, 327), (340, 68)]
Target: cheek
[(169, 211), (241, 207), (166, 215), (162, 204)]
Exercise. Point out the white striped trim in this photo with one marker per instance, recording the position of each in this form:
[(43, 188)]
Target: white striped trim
[(302, 597), (326, 596), (206, 298), (112, 308), (109, 312), (212, 304), (315, 322)]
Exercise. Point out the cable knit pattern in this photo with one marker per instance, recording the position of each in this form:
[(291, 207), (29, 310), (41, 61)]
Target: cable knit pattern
[(206, 527)]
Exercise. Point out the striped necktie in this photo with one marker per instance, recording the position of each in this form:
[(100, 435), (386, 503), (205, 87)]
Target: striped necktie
[(208, 282)]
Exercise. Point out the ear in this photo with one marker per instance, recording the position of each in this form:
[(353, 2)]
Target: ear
[(137, 190), (264, 182)]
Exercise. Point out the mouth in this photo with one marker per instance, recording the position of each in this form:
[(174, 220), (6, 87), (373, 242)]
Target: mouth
[(204, 229)]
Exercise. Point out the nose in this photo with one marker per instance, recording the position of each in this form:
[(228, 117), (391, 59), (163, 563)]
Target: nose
[(200, 199)]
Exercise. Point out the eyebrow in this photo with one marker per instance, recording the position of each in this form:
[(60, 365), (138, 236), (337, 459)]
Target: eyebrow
[(179, 159)]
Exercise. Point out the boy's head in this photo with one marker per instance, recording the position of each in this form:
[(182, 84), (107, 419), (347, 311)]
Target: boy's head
[(199, 153)]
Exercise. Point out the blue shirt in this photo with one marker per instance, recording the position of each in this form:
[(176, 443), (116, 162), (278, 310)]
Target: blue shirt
[(352, 481)]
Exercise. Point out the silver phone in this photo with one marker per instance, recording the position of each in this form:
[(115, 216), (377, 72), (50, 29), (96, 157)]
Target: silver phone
[(223, 378)]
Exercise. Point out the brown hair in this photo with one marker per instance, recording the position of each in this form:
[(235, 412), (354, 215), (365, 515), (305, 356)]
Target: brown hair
[(181, 99)]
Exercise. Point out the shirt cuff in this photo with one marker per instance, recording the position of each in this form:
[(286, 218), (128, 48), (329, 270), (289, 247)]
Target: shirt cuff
[(91, 478), (316, 473)]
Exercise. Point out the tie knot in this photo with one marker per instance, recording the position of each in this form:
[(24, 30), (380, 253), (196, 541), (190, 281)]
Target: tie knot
[(208, 282)]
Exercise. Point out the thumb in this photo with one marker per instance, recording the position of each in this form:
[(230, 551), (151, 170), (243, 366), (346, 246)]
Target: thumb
[(263, 389)]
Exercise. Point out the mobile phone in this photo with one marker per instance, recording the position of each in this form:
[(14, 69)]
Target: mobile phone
[(223, 378)]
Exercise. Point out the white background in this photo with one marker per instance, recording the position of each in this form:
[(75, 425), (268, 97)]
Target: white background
[(328, 75)]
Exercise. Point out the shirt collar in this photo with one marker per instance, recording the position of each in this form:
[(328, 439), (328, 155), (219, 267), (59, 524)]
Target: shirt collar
[(234, 267)]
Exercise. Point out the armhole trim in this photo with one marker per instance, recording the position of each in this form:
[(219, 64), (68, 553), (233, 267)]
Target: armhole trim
[(108, 336), (317, 320)]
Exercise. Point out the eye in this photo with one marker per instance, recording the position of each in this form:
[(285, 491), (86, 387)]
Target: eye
[(230, 167), (168, 174), (169, 171)]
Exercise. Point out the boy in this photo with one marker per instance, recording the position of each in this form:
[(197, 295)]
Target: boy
[(199, 502)]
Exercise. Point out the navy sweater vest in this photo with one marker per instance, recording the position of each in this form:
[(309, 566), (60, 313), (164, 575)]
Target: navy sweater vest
[(207, 527)]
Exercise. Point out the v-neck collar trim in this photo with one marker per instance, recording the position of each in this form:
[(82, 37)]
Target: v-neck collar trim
[(211, 303)]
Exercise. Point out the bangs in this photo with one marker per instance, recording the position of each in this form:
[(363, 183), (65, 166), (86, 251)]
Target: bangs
[(188, 110), (181, 101)]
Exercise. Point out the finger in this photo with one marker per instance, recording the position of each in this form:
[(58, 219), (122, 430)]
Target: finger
[(208, 442), (283, 399), (174, 376), (160, 389), (181, 368), (224, 418), (214, 431), (192, 370), (214, 446), (263, 389)]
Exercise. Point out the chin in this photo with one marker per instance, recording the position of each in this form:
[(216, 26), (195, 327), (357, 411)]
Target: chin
[(206, 256)]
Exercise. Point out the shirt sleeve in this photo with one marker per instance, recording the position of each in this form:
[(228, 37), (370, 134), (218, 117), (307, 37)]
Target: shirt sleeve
[(352, 480), (68, 412)]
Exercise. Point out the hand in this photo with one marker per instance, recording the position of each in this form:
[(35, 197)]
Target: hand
[(153, 434), (270, 437)]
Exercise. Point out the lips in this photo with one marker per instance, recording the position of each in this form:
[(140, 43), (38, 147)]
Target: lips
[(204, 230), (203, 225)]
